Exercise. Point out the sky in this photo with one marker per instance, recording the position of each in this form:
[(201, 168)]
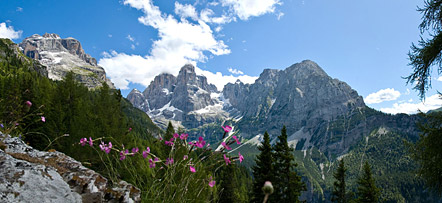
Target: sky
[(363, 43)]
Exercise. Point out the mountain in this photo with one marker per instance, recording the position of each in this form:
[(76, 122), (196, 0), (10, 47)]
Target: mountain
[(325, 118), (185, 99), (63, 55)]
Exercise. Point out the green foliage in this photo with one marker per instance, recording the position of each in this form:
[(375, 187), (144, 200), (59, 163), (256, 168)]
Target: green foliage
[(367, 190), (339, 193), (428, 151), (288, 184), (263, 170), (428, 52)]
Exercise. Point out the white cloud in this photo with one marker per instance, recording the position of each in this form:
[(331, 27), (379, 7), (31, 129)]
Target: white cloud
[(235, 71), (186, 11), (9, 32), (279, 16), (132, 47), (388, 94), (219, 80), (207, 13), (19, 9), (439, 79), (179, 42), (109, 35), (245, 9), (432, 102), (130, 38)]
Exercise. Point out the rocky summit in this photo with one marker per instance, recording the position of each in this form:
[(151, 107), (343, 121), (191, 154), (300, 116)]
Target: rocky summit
[(318, 111), (63, 55), (188, 99)]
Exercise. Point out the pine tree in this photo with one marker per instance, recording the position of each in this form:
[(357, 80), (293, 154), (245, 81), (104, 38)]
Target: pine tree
[(288, 184), (367, 190), (263, 170), (339, 193), (229, 184)]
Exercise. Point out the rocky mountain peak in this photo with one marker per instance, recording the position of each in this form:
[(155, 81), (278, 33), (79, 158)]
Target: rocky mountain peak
[(53, 35), (187, 75), (306, 67), (175, 98), (63, 55)]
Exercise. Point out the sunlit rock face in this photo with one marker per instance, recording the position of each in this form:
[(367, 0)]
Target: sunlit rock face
[(187, 99), (63, 55), (29, 175)]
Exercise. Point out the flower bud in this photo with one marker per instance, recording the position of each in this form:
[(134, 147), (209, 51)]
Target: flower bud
[(268, 188)]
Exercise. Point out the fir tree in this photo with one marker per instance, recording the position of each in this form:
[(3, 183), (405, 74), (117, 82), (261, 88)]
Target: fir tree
[(288, 184), (427, 151), (263, 170), (229, 184), (339, 193), (367, 190)]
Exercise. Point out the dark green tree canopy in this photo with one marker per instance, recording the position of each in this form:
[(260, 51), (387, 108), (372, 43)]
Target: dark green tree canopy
[(263, 170), (367, 190), (288, 184), (428, 52), (339, 191)]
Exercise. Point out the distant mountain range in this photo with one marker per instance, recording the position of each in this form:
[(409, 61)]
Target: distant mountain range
[(323, 112), (325, 118)]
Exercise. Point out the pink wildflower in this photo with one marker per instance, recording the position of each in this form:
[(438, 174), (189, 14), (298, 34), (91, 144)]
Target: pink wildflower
[(169, 143), (227, 128), (185, 157), (91, 142), (211, 182), (145, 153), (123, 154), (176, 135), (28, 103), (227, 160), (134, 151), (102, 146), (200, 142), (225, 146), (106, 147), (236, 139), (169, 161), (184, 136), (151, 163), (43, 119), (83, 141), (192, 169), (241, 158), (130, 129)]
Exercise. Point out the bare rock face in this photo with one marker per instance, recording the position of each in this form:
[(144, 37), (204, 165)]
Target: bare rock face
[(187, 99), (63, 55), (29, 175)]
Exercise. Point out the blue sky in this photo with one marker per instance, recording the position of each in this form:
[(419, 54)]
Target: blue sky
[(364, 43)]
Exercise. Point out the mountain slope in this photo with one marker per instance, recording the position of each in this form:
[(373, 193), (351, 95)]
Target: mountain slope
[(61, 56)]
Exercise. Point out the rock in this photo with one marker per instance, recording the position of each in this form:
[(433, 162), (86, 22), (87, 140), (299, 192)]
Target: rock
[(9, 49), (178, 99), (63, 55), (29, 175)]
